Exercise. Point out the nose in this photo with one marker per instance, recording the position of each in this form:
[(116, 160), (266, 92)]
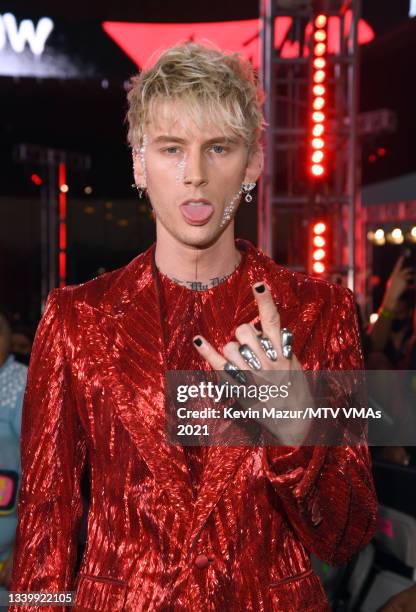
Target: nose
[(195, 173)]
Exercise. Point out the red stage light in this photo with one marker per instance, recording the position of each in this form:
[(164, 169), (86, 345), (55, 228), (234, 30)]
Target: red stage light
[(320, 49), (319, 76), (35, 178), (317, 251), (318, 143), (62, 235), (381, 151), (320, 35), (319, 254), (318, 117), (62, 268), (63, 189), (320, 21), (318, 267), (319, 63), (319, 241), (372, 158), (319, 228), (317, 170), (317, 157), (318, 103), (318, 129)]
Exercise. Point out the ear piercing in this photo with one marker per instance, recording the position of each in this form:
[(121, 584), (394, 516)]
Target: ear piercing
[(247, 187), (228, 210), (141, 189)]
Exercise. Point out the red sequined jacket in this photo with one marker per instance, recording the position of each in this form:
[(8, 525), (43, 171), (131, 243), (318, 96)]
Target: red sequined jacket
[(96, 389)]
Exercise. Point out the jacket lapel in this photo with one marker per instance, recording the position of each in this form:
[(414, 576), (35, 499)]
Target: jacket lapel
[(129, 352)]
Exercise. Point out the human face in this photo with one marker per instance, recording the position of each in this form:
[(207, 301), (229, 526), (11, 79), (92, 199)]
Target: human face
[(192, 174)]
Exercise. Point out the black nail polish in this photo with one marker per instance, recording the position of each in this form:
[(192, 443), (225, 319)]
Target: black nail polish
[(260, 288), (197, 341)]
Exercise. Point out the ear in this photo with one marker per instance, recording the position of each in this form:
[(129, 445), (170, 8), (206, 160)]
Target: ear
[(138, 169), (255, 164)]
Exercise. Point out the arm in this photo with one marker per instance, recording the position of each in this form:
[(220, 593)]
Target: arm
[(53, 454), (327, 492), (398, 282)]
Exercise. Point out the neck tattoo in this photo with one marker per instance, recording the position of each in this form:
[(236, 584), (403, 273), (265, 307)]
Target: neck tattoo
[(196, 285)]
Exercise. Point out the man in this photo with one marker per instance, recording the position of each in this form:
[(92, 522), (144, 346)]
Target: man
[(12, 387), (202, 527)]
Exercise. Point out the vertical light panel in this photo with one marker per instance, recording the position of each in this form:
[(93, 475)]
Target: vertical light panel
[(317, 160), (319, 248), (63, 189)]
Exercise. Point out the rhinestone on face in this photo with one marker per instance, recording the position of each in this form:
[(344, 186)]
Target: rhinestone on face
[(228, 210)]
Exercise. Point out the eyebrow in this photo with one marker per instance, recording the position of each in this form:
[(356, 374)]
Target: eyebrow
[(219, 139)]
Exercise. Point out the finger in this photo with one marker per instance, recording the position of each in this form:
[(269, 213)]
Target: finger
[(295, 363), (231, 353), (256, 327), (407, 271), (208, 352), (398, 264), (269, 315), (249, 335), (408, 277)]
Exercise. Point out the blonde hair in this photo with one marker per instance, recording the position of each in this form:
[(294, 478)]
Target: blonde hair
[(208, 82)]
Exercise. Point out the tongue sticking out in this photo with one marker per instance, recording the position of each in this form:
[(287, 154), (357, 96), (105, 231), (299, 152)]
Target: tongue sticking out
[(197, 213)]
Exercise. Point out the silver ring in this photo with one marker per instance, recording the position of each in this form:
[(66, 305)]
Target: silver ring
[(268, 348), (249, 357), (287, 338), (235, 372)]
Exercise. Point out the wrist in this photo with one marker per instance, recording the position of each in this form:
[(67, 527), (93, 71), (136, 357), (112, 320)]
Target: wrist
[(389, 304), (386, 312)]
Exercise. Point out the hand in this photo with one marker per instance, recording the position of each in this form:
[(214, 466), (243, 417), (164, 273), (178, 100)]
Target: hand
[(247, 334), (400, 279), (403, 602)]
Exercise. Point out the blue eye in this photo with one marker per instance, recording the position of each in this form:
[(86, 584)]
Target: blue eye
[(216, 147), (171, 150)]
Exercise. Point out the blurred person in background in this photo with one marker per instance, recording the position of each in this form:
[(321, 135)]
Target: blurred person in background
[(12, 386), (21, 344), (390, 336), (391, 341)]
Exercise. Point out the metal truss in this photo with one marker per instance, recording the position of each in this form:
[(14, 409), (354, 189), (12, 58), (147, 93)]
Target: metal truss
[(289, 198)]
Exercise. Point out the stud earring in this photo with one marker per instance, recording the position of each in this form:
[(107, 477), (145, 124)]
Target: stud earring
[(140, 189), (247, 187)]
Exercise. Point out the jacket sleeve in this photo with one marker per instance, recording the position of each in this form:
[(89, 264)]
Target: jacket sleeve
[(53, 452), (327, 492)]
